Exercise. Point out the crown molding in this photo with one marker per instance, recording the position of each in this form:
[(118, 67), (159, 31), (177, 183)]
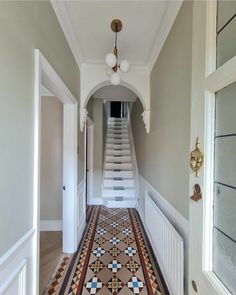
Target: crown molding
[(167, 21), (62, 15)]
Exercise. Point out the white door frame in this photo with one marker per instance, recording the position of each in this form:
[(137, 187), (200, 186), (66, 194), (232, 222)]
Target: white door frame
[(89, 157), (46, 75), (206, 81)]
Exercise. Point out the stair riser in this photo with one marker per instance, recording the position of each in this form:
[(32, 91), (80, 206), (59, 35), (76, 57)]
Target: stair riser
[(112, 166), (122, 159), (113, 183), (117, 130), (113, 135), (109, 193), (117, 153), (121, 140), (122, 174), (117, 146)]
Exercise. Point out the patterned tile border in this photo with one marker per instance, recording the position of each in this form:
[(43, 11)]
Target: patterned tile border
[(58, 276)]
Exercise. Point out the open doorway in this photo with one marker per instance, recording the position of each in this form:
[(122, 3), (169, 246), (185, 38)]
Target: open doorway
[(67, 185), (51, 184)]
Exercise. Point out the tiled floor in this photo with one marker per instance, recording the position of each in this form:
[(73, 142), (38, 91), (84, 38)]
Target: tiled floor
[(114, 258)]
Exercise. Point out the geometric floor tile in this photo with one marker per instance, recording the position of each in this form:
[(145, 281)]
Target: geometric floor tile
[(114, 240), (130, 251), (93, 285), (114, 251), (96, 266), (114, 266), (98, 252), (115, 285), (132, 266), (135, 285)]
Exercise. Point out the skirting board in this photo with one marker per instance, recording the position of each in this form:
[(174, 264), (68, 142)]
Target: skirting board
[(180, 223), (51, 225)]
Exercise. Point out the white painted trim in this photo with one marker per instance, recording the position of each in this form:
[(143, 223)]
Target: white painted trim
[(45, 74), (167, 22), (81, 202), (223, 76), (81, 227), (133, 153), (89, 157), (4, 259), (18, 273), (51, 225)]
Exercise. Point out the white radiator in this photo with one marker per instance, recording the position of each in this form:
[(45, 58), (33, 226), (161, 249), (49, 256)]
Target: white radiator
[(168, 246)]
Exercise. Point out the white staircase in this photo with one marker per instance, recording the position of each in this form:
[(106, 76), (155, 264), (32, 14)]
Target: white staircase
[(118, 174)]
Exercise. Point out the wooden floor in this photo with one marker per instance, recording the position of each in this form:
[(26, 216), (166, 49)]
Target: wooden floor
[(50, 255)]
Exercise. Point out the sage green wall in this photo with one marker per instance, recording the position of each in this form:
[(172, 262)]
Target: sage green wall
[(24, 27), (163, 154)]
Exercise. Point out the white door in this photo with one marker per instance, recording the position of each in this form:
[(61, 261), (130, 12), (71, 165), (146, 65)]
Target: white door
[(213, 120)]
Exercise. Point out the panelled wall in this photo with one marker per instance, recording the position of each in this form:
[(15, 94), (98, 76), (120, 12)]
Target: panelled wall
[(25, 25)]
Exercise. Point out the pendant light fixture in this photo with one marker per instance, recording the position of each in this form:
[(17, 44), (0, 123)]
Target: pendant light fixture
[(113, 67)]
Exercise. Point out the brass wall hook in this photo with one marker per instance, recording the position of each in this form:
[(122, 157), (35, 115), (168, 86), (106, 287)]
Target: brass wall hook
[(197, 193), (196, 158)]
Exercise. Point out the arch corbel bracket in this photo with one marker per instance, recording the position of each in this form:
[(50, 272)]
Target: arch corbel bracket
[(83, 118), (146, 120)]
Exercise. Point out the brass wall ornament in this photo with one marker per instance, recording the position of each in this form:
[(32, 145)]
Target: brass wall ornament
[(197, 193), (196, 158)]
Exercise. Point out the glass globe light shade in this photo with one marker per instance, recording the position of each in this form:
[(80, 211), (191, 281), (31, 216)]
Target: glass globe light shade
[(124, 66), (109, 71), (110, 60), (115, 79)]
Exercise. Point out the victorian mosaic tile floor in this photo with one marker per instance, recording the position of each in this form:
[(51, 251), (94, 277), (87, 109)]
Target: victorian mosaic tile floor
[(113, 258)]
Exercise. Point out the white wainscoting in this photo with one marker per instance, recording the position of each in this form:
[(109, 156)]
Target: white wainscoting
[(16, 267), (51, 225), (81, 209), (180, 223)]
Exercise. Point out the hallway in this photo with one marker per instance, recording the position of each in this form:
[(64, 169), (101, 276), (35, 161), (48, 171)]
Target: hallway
[(113, 258)]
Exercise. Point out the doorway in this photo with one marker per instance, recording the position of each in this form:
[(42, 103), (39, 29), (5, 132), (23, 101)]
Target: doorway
[(51, 183), (116, 109), (45, 74)]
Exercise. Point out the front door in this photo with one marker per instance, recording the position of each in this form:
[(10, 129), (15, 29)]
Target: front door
[(213, 121)]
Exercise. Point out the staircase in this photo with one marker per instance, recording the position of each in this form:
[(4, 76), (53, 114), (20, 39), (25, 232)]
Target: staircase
[(118, 174)]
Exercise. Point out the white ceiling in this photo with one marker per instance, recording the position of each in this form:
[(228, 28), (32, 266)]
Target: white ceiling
[(146, 24)]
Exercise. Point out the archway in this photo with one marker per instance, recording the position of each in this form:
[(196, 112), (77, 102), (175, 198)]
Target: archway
[(125, 85)]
